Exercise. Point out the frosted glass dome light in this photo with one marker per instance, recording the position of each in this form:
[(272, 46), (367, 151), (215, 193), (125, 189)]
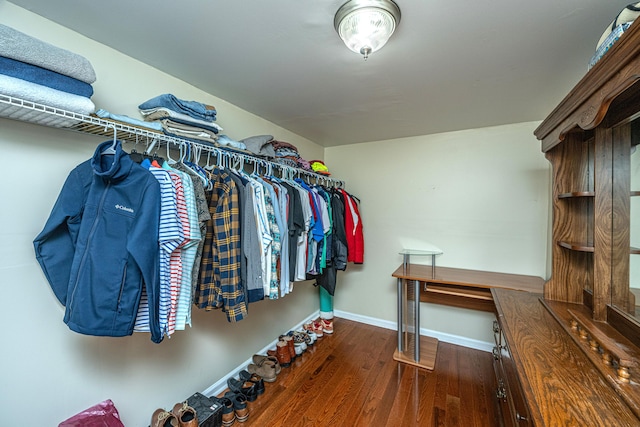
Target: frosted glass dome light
[(366, 25)]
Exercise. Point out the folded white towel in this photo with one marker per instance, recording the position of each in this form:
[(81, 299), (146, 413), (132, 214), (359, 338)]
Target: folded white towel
[(22, 47), (39, 94)]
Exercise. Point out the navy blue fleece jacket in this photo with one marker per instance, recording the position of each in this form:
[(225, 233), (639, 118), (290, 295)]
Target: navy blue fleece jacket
[(99, 246)]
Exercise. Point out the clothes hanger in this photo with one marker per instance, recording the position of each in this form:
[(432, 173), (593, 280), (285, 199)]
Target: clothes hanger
[(185, 151), (112, 149), (146, 154), (134, 155), (169, 160)]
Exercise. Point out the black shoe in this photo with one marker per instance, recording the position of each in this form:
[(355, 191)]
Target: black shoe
[(253, 378), (247, 388)]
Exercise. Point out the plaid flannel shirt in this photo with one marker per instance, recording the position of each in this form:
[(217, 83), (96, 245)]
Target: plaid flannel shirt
[(220, 285)]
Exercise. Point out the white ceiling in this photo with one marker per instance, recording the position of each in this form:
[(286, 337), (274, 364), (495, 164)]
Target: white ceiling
[(450, 65)]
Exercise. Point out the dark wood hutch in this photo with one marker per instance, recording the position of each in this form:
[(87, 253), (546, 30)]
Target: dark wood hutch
[(570, 356)]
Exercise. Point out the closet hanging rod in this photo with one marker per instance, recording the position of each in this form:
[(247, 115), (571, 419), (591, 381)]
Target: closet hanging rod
[(23, 110)]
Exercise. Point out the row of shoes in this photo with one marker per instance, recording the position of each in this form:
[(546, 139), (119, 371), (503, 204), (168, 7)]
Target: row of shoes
[(182, 415), (246, 388), (265, 368)]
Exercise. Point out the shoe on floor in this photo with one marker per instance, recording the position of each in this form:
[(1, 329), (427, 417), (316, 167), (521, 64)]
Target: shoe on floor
[(300, 345), (315, 327), (259, 359), (289, 341), (247, 388), (162, 418), (327, 326), (266, 371), (240, 408), (310, 337), (282, 354), (228, 413), (185, 414), (253, 378)]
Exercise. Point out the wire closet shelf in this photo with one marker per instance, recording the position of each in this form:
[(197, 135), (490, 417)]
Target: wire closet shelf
[(19, 109)]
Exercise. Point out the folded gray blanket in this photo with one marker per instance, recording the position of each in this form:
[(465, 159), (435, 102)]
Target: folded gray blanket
[(21, 47)]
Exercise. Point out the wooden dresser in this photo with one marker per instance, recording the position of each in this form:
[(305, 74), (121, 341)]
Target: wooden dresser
[(545, 376)]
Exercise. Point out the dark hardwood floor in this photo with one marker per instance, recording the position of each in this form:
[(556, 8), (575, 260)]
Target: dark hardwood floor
[(350, 379)]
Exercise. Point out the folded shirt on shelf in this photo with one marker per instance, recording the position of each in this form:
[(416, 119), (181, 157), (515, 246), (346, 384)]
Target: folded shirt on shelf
[(287, 161), (160, 113), (277, 145), (285, 152), (191, 132), (195, 109), (304, 164), (42, 76), (39, 94), (129, 120), (22, 47)]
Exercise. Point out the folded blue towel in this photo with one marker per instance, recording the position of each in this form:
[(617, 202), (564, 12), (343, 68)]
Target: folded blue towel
[(194, 109), (21, 47), (42, 76)]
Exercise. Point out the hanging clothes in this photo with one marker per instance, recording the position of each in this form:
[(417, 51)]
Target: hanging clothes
[(353, 227), (216, 238), (99, 246), (188, 250), (168, 238), (338, 258), (220, 285), (202, 215)]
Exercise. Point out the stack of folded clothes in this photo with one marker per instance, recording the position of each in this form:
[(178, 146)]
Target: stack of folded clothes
[(286, 154), (190, 120), (36, 71)]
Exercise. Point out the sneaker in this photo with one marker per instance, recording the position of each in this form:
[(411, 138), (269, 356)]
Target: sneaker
[(327, 326), (299, 343), (310, 337), (316, 326)]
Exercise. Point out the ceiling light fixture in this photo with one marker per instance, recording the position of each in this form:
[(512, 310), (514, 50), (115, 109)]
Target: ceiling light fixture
[(366, 25)]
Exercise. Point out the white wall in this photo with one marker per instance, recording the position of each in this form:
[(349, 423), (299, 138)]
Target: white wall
[(50, 373), (480, 195)]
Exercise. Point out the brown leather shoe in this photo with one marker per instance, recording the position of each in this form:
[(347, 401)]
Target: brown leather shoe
[(185, 414), (292, 349), (283, 354), (239, 405), (259, 359), (266, 371), (162, 418), (228, 413)]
